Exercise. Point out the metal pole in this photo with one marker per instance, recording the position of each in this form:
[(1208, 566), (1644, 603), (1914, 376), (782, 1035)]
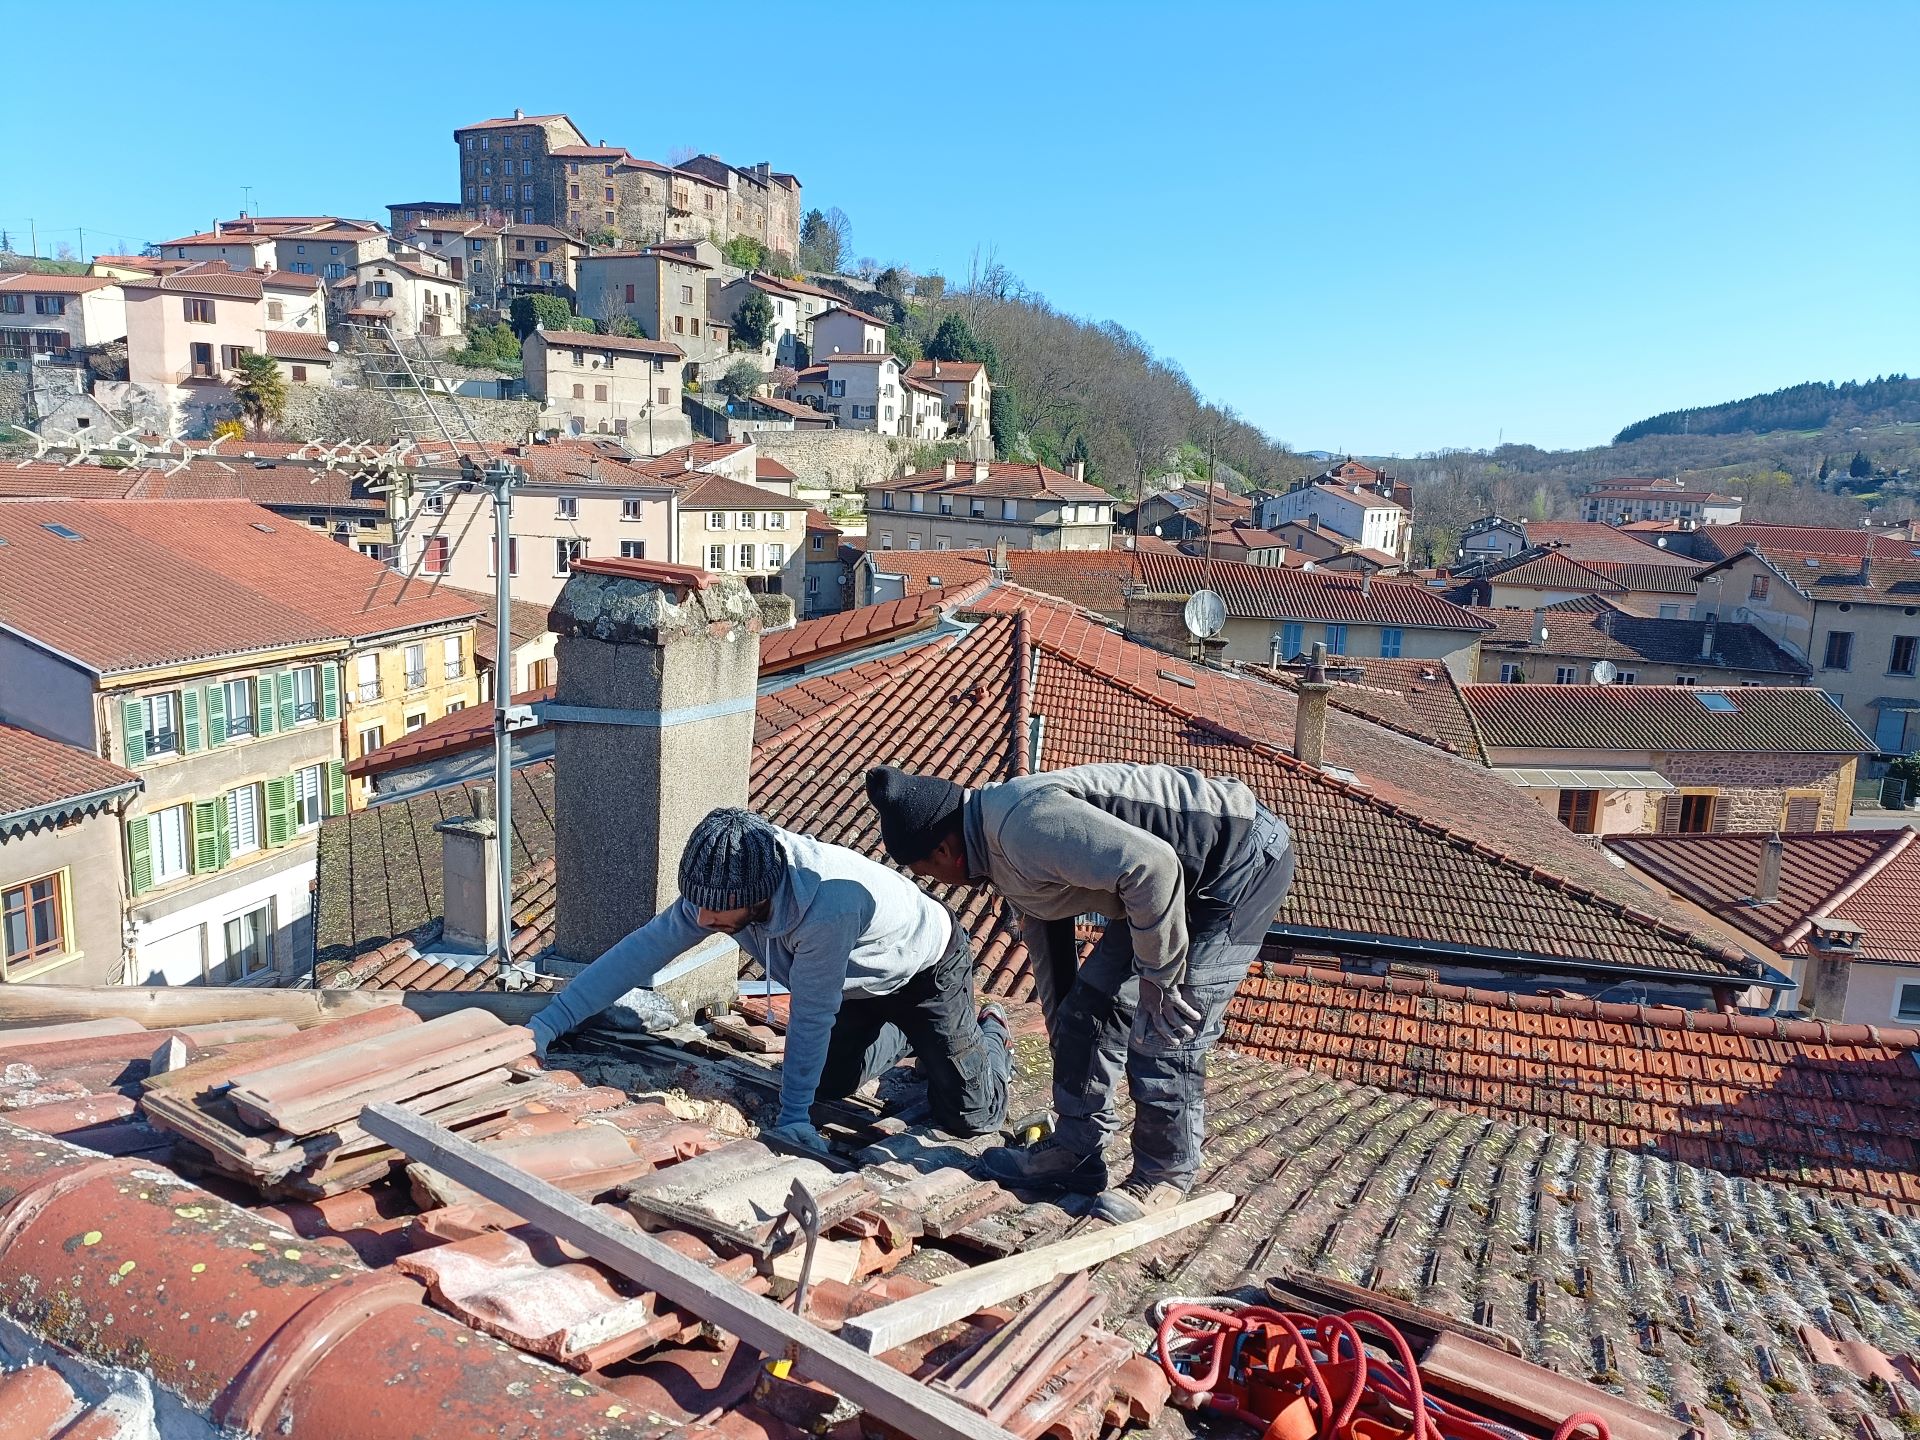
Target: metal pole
[(502, 476)]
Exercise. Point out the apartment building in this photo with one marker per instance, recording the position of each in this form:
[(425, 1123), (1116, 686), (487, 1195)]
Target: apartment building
[(408, 296), (662, 291), (592, 384), (752, 531), (187, 330), (964, 387), (863, 392), (843, 330), (162, 636), (1854, 619), (1358, 509), (977, 505), (794, 308), (323, 245), (51, 316), (1627, 500)]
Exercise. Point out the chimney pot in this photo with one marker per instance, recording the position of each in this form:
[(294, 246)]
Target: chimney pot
[(981, 470), (1766, 883), (1000, 555), (518, 113), (1310, 710), (952, 468), (1080, 470), (469, 862)]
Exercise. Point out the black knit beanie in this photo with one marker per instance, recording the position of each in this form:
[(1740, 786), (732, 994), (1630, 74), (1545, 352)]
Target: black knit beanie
[(916, 811), (733, 861)]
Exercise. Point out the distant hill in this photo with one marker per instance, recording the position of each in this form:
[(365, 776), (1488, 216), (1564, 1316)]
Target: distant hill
[(1891, 399)]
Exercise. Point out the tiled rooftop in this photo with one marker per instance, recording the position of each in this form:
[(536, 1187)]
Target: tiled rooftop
[(1588, 540), (1610, 634), (1842, 579), (1833, 1107), (1264, 592), (933, 569), (1719, 542), (819, 639), (1742, 719), (1870, 878), (1004, 479), (1419, 698), (39, 776), (1551, 570)]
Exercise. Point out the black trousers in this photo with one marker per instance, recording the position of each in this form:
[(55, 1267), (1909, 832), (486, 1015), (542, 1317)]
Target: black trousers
[(966, 1065)]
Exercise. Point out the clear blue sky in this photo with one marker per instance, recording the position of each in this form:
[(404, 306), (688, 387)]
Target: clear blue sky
[(1380, 227)]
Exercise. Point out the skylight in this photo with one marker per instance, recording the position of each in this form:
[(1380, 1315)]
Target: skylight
[(61, 530), (1715, 701)]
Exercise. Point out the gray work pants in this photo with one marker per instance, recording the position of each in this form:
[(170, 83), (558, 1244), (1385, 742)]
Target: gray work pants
[(1097, 1034)]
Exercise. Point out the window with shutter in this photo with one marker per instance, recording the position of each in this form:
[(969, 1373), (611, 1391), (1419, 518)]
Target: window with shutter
[(216, 707), (133, 731), (329, 692), (208, 837), (189, 720), (139, 856), (1803, 813), (336, 788), (266, 707), (279, 810), (285, 711)]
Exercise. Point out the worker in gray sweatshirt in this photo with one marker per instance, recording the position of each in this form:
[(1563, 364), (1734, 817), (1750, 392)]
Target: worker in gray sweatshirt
[(874, 966), (1187, 871)]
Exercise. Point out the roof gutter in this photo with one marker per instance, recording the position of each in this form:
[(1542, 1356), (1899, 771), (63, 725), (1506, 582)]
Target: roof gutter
[(19, 822), (1767, 975)]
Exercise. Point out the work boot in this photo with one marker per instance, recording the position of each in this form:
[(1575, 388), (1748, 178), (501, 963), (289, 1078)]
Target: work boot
[(1046, 1166), (1136, 1199)]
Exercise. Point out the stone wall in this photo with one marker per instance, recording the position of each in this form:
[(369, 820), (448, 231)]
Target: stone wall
[(330, 412), (1753, 789), (842, 461)]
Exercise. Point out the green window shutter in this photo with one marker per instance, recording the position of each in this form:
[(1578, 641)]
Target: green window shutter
[(284, 680), (329, 692), (222, 821), (265, 707), (336, 787), (216, 715), (133, 731), (208, 835), (140, 855), (189, 720), (279, 810)]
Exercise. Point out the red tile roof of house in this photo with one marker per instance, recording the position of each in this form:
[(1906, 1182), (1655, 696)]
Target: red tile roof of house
[(35, 283), (209, 277), (451, 734), (1870, 878), (39, 775), (1834, 1107), (793, 408), (1005, 480), (765, 467), (1745, 719), (711, 492), (1551, 570), (1718, 542), (931, 569), (1609, 634), (1417, 698), (506, 120), (848, 357), (957, 372), (622, 344), (1680, 578), (153, 582), (812, 641), (1838, 578), (1091, 579), (1588, 540), (293, 345), (823, 522), (1365, 498), (1267, 593)]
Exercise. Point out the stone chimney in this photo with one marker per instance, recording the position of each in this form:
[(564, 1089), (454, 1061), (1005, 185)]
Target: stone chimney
[(1539, 632), (1000, 557), (953, 468), (1310, 710), (470, 864), (518, 113), (1080, 470), (1766, 881), (1706, 638), (981, 470), (1866, 565), (653, 727)]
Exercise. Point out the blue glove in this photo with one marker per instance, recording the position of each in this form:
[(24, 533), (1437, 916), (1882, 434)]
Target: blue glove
[(798, 1136), (543, 1036)]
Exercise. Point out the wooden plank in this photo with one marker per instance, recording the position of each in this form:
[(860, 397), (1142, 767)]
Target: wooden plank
[(956, 1296), (160, 1007), (872, 1384)]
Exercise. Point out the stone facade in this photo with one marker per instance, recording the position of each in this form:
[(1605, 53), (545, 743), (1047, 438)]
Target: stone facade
[(843, 461), (1752, 792), (524, 143)]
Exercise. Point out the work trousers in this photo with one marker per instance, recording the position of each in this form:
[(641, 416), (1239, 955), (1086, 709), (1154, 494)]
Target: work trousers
[(1097, 1034), (966, 1065)]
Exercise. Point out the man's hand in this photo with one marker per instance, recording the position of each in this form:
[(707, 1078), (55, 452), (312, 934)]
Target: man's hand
[(1166, 1013), (798, 1136), (543, 1036)]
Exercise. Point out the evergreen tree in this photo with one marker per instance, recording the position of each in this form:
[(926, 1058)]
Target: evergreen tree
[(753, 320), (1823, 469), (1860, 468), (954, 340), (260, 390)]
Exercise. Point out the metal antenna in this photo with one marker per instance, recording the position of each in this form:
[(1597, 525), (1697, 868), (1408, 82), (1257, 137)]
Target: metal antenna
[(499, 477)]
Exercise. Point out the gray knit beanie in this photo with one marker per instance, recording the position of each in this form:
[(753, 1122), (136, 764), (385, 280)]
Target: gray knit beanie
[(733, 861)]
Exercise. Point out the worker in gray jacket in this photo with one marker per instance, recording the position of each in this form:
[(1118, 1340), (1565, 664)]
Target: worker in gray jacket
[(874, 967), (1188, 872)]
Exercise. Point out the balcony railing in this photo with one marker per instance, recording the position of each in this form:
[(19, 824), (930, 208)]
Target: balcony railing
[(456, 668), (416, 680), (367, 694), (306, 710)]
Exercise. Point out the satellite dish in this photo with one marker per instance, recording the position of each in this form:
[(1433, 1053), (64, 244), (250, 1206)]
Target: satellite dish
[(1206, 614), (1605, 672)]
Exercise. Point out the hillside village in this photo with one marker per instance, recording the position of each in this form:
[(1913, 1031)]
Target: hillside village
[(1584, 1046)]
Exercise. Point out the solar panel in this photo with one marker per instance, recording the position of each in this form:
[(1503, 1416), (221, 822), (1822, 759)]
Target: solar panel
[(1715, 702)]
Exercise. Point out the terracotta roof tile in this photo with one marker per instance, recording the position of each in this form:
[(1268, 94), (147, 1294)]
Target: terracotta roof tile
[(707, 491), (1588, 540), (931, 569), (1551, 570), (1268, 593), (1870, 877), (1743, 719), (953, 372), (1419, 698), (1004, 479), (34, 283), (38, 774), (1719, 542), (1604, 633), (1802, 1102), (623, 344), (829, 635)]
